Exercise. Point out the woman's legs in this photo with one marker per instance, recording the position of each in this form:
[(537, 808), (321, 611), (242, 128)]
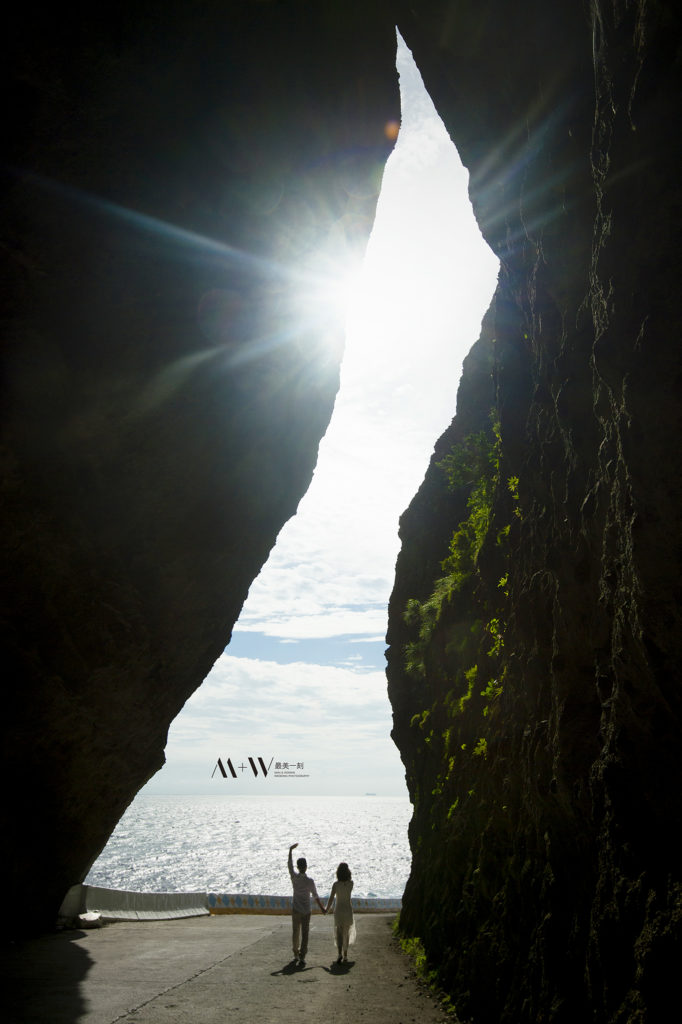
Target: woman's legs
[(344, 938)]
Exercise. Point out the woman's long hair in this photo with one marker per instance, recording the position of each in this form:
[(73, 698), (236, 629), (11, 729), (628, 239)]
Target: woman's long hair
[(343, 872)]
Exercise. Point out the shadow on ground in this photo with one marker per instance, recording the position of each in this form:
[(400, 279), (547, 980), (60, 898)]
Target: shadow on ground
[(41, 979)]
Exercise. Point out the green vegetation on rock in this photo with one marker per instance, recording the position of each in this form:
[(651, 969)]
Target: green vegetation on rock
[(458, 647)]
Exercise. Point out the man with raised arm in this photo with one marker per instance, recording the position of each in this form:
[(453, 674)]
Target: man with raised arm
[(304, 891)]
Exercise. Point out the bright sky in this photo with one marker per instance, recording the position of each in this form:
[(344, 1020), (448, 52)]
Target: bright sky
[(303, 682)]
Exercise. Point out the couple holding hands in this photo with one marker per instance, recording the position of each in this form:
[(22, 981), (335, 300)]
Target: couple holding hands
[(304, 891)]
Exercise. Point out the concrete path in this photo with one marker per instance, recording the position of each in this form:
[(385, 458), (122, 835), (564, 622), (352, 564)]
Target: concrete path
[(229, 969)]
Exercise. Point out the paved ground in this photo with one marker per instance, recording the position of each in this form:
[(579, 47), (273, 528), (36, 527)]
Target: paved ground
[(232, 969)]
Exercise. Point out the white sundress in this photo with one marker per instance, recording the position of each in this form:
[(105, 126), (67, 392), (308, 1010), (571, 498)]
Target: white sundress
[(343, 910)]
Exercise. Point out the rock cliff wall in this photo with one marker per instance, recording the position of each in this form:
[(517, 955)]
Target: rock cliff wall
[(177, 179), (163, 402), (535, 621)]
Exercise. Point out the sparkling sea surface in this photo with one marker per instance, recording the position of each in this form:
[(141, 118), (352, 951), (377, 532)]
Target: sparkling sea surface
[(239, 844)]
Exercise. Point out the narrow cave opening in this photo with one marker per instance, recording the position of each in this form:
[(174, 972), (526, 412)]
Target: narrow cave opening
[(309, 646)]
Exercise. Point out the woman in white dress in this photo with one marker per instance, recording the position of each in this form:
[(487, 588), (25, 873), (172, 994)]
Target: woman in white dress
[(344, 925)]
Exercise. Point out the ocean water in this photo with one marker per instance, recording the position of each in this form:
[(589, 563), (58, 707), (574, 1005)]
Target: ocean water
[(239, 844)]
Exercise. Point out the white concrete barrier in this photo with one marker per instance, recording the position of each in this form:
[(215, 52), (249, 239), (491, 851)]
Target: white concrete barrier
[(122, 905), (125, 905)]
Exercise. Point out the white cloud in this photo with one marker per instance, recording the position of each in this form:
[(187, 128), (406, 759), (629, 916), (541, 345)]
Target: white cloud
[(334, 719), (332, 622)]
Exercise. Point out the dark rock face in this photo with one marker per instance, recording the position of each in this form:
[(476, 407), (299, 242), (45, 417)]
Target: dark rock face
[(174, 175), (536, 691)]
